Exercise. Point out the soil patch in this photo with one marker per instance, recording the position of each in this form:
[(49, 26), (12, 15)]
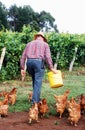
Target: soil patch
[(19, 121)]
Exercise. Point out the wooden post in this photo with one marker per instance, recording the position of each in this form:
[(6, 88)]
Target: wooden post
[(57, 57), (73, 60), (2, 56)]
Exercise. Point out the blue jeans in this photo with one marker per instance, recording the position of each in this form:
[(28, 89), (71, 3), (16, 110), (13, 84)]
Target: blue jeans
[(35, 68)]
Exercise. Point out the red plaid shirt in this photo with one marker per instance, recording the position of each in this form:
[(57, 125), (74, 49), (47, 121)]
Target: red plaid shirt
[(37, 49)]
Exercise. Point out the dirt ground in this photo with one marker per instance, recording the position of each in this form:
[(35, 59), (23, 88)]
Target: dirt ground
[(19, 121)]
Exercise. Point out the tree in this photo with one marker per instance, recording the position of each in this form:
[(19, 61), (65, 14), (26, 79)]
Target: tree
[(13, 17), (21, 16), (46, 22), (26, 16), (3, 17)]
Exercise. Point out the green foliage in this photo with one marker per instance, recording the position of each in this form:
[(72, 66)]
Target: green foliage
[(63, 43), (3, 74), (27, 34), (14, 49)]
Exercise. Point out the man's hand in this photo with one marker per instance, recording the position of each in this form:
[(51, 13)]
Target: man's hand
[(54, 70), (23, 74)]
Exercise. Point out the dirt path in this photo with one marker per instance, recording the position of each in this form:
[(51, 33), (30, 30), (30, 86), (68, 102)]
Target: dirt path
[(19, 121)]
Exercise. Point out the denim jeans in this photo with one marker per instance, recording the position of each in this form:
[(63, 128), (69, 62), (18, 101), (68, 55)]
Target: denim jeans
[(35, 68)]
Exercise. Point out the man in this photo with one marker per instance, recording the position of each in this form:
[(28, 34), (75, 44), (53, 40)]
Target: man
[(36, 52)]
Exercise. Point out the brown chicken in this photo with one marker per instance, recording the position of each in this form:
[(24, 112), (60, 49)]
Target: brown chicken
[(33, 113), (12, 99), (74, 110), (82, 103), (4, 107), (3, 93), (43, 107), (30, 94), (61, 102), (4, 101), (1, 103), (12, 96)]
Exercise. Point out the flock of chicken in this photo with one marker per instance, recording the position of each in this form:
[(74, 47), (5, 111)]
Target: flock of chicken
[(38, 109), (74, 108), (9, 98)]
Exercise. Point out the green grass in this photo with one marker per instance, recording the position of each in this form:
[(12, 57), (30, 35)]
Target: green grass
[(75, 83)]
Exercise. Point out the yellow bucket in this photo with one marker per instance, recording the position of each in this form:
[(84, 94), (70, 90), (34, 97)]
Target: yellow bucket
[(55, 80)]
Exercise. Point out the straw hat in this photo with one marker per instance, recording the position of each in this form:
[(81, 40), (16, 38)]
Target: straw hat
[(40, 34)]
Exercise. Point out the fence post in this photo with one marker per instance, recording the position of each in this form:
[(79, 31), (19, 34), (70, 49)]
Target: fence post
[(2, 56)]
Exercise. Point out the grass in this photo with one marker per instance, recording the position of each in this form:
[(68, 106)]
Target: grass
[(73, 81)]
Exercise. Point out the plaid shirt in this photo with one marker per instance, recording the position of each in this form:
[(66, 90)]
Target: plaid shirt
[(36, 49)]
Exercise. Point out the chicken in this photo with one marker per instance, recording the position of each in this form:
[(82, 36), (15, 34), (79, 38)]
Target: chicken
[(1, 103), (4, 101), (3, 93), (61, 101), (43, 107), (4, 107), (13, 91), (12, 96), (12, 99), (74, 110), (82, 103), (30, 94), (33, 113), (4, 110)]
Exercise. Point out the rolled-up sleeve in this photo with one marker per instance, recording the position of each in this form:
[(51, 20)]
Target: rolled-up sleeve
[(48, 56), (23, 58)]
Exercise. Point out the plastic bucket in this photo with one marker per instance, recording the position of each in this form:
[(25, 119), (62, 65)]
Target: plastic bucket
[(55, 80)]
